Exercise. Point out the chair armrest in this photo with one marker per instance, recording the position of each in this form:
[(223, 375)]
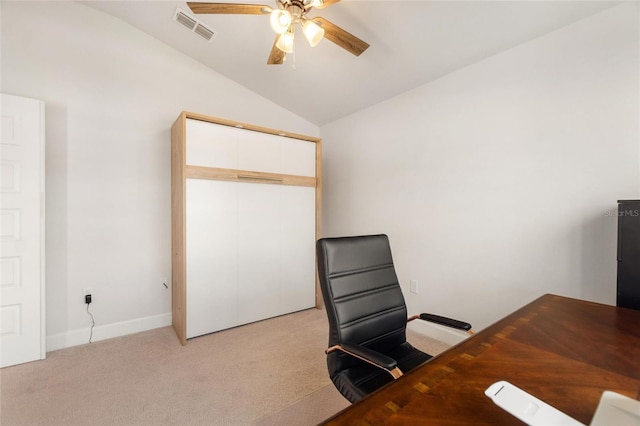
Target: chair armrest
[(377, 358), (449, 322), (369, 355)]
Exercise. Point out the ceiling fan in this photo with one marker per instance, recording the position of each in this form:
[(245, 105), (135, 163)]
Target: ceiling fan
[(283, 20)]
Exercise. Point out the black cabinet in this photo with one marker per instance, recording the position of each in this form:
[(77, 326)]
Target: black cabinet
[(628, 295)]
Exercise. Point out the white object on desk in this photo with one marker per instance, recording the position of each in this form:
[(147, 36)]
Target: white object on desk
[(616, 409), (527, 407)]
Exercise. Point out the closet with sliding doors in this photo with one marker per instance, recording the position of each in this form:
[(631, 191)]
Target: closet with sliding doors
[(245, 206)]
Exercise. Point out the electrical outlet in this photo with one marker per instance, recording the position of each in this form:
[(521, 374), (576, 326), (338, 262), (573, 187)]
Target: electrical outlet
[(86, 292), (413, 286)]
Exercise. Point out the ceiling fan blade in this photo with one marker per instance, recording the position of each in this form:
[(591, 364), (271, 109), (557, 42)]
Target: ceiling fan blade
[(229, 8), (327, 3), (342, 38), (276, 57)]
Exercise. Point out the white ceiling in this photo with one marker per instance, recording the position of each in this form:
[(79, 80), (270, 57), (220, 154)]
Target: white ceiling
[(412, 43)]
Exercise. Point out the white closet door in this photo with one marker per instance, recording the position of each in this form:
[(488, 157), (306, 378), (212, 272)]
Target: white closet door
[(216, 145), (276, 270), (259, 251), (298, 157), (297, 234), (212, 262), (250, 253), (260, 152), (212, 145)]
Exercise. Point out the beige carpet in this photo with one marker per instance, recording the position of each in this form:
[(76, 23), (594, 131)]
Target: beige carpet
[(270, 372), (309, 410)]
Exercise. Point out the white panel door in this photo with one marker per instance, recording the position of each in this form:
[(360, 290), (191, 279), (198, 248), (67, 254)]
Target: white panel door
[(212, 263), (22, 329), (259, 251), (276, 251), (212, 145), (298, 157), (297, 234), (250, 253), (220, 146)]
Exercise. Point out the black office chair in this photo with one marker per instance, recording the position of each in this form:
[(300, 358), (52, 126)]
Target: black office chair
[(367, 315)]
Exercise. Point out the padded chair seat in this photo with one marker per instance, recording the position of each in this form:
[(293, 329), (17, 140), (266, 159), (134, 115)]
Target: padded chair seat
[(363, 378)]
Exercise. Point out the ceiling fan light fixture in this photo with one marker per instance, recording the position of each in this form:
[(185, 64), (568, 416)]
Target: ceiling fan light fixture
[(313, 32), (285, 42), (280, 20), (317, 3)]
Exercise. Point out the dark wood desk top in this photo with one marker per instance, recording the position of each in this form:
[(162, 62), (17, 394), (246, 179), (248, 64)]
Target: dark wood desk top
[(565, 352)]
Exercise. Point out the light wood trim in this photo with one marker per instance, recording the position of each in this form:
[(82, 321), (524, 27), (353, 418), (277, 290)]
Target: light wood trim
[(226, 8), (396, 373), (178, 229), (246, 126), (213, 173), (319, 301)]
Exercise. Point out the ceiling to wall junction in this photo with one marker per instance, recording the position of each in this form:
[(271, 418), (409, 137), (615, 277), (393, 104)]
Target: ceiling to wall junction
[(412, 43)]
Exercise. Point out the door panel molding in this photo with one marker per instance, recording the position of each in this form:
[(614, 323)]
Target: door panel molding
[(22, 231)]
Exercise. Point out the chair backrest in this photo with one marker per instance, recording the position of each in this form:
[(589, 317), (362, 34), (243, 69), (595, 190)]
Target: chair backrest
[(362, 296)]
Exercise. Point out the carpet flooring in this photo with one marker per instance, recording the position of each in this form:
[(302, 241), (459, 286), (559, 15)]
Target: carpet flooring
[(266, 373)]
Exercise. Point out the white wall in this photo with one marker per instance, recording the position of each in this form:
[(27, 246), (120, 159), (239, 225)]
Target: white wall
[(495, 183), (111, 94)]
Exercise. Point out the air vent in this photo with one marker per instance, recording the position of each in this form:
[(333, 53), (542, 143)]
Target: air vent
[(204, 32), (185, 20), (194, 25)]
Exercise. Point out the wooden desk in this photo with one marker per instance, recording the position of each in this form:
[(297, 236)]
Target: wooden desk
[(564, 351)]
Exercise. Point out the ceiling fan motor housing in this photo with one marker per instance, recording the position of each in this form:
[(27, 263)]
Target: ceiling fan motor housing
[(295, 7)]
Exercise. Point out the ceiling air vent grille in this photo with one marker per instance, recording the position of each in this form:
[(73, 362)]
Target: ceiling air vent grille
[(194, 25), (204, 32)]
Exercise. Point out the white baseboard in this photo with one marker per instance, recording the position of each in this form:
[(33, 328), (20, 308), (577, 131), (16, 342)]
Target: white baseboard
[(444, 334), (108, 331)]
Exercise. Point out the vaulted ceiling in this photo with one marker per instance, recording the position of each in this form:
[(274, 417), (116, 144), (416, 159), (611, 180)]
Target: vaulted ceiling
[(412, 43)]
